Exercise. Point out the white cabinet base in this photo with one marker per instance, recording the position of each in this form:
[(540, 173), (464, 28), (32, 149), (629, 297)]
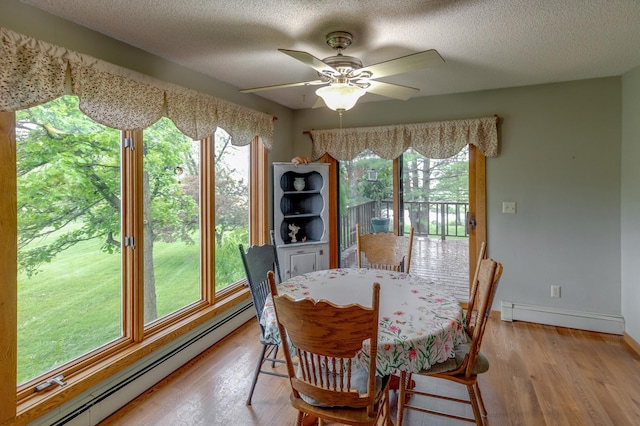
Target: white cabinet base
[(302, 259)]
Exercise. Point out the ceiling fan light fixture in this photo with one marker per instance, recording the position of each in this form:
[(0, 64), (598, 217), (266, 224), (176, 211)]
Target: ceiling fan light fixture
[(340, 96)]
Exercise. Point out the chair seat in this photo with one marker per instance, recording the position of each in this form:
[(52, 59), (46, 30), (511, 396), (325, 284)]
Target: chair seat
[(339, 413), (452, 364), (336, 414)]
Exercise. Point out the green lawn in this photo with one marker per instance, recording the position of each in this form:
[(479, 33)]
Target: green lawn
[(73, 305)]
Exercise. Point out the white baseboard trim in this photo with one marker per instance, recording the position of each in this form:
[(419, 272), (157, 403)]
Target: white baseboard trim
[(591, 321)]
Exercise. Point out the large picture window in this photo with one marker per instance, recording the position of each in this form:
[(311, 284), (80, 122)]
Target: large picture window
[(109, 235), (80, 198)]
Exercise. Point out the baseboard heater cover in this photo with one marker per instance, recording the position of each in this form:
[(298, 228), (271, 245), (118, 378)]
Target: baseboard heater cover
[(195, 342), (590, 321)]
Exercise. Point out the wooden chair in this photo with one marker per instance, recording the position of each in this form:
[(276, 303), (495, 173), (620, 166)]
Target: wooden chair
[(326, 382), (473, 290), (257, 261), (468, 361), (385, 250)]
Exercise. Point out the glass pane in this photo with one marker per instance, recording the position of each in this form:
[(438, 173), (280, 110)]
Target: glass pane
[(232, 208), (433, 191), (366, 197), (69, 274), (171, 185), (436, 201)]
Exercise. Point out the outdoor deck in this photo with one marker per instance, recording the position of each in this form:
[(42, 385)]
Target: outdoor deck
[(444, 261)]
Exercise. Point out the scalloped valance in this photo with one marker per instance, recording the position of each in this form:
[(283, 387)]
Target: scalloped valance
[(33, 72), (437, 139)]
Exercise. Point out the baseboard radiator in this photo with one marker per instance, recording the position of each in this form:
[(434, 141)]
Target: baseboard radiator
[(603, 323), (103, 400)]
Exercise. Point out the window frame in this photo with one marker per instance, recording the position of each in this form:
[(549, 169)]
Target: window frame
[(22, 403), (477, 205)]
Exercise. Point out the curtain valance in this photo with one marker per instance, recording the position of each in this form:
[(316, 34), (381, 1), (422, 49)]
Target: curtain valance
[(33, 72), (438, 139)]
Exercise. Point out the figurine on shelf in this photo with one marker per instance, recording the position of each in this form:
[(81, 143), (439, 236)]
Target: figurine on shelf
[(294, 231), (300, 160)]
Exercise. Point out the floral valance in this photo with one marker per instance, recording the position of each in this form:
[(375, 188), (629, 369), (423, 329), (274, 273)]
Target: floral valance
[(33, 72), (438, 139)]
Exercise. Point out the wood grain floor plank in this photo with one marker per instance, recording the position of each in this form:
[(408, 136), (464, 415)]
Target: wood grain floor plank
[(540, 375)]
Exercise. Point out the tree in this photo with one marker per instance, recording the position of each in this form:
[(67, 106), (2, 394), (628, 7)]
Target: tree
[(423, 180), (170, 201), (68, 171), (232, 192), (435, 180), (69, 180)]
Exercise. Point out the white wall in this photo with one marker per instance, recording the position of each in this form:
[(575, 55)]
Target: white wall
[(631, 202), (559, 160)]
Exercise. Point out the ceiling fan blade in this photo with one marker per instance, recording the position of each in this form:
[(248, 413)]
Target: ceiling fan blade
[(310, 61), (390, 90), (281, 86), (404, 64)]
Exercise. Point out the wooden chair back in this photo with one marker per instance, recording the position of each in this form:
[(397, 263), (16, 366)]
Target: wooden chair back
[(385, 250), (489, 274), (327, 337), (473, 289)]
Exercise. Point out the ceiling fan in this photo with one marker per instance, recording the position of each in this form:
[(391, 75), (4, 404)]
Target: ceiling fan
[(347, 79)]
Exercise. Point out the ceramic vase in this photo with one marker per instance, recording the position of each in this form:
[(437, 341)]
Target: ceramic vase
[(298, 183)]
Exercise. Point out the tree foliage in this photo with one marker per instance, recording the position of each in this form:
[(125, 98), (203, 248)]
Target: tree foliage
[(423, 180), (232, 191), (437, 180), (69, 180)]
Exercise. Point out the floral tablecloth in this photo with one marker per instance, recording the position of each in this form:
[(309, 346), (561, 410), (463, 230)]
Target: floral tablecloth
[(420, 322)]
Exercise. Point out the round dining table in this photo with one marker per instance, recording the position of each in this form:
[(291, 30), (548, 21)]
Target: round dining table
[(420, 322)]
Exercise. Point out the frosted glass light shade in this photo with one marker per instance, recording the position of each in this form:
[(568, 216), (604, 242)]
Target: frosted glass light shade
[(340, 96)]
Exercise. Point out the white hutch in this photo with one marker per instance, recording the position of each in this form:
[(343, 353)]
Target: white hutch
[(301, 217)]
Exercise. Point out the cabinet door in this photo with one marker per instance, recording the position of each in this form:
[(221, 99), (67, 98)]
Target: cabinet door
[(301, 263)]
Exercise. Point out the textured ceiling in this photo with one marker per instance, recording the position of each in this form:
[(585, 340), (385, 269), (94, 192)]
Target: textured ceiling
[(486, 44)]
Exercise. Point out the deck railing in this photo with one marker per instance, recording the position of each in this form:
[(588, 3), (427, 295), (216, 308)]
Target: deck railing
[(434, 219)]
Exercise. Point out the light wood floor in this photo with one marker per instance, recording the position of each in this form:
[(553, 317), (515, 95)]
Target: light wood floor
[(539, 375)]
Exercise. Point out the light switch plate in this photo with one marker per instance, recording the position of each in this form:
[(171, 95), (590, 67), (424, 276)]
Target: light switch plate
[(509, 207)]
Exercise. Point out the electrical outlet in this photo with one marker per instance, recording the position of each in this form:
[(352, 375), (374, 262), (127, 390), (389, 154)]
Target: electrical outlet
[(555, 291)]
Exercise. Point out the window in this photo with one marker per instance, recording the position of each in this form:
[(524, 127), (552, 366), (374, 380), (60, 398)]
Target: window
[(171, 220), (96, 222), (431, 195), (69, 273), (436, 194), (366, 197), (231, 208)]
